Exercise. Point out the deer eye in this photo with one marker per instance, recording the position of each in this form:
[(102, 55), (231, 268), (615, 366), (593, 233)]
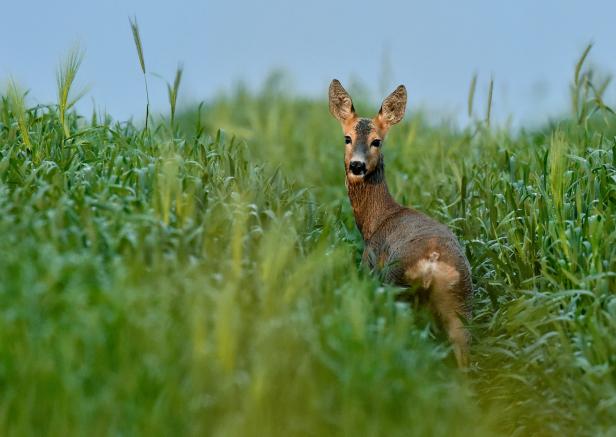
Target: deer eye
[(347, 140), (376, 143)]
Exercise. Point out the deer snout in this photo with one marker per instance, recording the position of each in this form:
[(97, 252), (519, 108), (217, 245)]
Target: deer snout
[(357, 167)]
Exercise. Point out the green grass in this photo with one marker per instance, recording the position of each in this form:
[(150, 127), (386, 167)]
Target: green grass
[(198, 281)]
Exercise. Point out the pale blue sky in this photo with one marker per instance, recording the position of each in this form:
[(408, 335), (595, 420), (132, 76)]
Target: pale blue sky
[(434, 48)]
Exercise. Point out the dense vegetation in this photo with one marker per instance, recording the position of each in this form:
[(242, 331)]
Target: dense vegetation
[(188, 280)]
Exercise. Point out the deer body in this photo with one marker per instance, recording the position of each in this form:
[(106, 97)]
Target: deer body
[(413, 249)]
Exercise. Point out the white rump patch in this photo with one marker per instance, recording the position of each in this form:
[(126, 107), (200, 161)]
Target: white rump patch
[(424, 270)]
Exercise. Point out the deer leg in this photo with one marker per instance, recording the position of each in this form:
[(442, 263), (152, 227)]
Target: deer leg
[(446, 304), (459, 337), (443, 281)]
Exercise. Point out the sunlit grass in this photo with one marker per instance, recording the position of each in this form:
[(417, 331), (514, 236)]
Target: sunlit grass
[(65, 79), (134, 27), (199, 281)]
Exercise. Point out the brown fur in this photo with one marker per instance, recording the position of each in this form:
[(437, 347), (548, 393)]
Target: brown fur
[(413, 249)]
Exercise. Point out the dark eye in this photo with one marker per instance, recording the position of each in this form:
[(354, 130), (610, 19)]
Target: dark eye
[(376, 143), (347, 140)]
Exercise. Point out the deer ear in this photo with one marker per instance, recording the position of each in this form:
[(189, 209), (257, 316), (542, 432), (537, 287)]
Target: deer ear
[(392, 109), (340, 103)]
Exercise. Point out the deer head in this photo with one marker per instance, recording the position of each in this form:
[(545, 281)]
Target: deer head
[(363, 137)]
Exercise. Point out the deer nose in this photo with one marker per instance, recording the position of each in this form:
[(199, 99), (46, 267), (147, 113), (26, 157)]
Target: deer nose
[(357, 167)]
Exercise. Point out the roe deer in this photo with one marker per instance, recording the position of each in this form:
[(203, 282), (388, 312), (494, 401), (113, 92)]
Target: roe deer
[(422, 252)]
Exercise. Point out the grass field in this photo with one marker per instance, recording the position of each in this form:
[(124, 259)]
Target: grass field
[(202, 277)]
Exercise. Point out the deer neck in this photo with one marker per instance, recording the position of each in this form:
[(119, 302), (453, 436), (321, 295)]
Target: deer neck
[(371, 201)]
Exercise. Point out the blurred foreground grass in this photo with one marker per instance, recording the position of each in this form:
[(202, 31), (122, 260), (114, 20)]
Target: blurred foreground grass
[(187, 280)]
